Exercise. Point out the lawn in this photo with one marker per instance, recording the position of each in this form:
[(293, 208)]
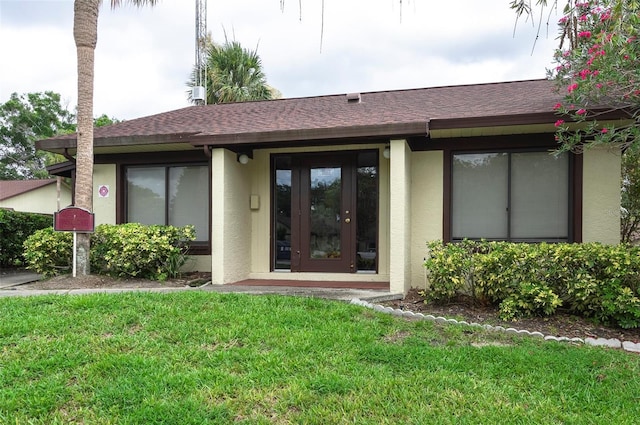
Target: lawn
[(198, 357)]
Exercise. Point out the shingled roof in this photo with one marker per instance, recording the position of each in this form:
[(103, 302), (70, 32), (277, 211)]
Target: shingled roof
[(399, 113), (11, 188)]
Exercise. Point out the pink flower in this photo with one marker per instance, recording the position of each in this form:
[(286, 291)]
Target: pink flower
[(572, 87), (599, 85), (563, 20), (584, 73), (557, 106), (559, 123), (583, 18), (581, 111), (585, 34), (604, 130)]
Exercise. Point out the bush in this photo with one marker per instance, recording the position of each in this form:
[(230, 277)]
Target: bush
[(591, 280), (449, 269), (15, 228), (136, 250), (49, 252), (127, 250)]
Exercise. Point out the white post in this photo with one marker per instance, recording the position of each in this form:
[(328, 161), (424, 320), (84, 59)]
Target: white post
[(75, 249)]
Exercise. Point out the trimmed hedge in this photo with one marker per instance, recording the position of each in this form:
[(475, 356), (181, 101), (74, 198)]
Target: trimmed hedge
[(590, 280), (126, 250), (15, 228)]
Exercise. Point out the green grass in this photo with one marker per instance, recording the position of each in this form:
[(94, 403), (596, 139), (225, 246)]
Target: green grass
[(197, 357)]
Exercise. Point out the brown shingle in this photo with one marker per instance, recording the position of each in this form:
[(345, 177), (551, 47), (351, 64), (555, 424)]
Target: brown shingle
[(332, 116)]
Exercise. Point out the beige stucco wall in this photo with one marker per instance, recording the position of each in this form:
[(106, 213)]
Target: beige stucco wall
[(601, 195), (43, 200), (104, 207), (230, 218), (197, 263), (427, 204), (400, 217)]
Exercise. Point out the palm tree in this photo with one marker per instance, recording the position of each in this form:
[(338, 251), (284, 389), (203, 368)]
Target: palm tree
[(85, 34), (233, 74)]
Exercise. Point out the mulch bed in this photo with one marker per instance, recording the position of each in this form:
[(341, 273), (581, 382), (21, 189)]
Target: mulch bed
[(557, 325)]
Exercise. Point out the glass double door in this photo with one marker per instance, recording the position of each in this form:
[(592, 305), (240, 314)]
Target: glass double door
[(325, 215)]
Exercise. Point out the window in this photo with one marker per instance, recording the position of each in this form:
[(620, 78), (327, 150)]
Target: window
[(169, 195), (518, 196)]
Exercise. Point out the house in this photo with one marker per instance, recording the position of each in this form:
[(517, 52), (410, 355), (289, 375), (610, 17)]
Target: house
[(351, 187), (44, 196)]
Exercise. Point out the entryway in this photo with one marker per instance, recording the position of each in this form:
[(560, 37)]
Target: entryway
[(325, 216)]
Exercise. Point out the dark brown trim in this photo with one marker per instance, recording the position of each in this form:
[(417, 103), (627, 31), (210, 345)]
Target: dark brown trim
[(494, 121), (70, 141), (304, 136), (577, 198), (121, 187), (152, 158), (446, 195), (542, 140)]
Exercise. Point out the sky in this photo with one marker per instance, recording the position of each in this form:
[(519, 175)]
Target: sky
[(145, 55)]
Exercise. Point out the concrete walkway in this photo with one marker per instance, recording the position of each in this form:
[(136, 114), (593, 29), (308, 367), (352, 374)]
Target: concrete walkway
[(10, 283), (10, 278)]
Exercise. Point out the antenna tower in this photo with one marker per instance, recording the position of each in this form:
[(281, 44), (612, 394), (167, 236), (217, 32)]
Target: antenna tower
[(199, 91)]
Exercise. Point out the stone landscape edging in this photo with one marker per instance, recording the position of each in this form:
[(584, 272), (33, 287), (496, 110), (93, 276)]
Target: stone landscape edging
[(598, 342)]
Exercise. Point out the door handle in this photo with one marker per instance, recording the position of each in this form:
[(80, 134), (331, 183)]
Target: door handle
[(347, 220)]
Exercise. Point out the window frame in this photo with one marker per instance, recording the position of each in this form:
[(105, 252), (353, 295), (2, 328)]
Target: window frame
[(163, 159), (512, 144)]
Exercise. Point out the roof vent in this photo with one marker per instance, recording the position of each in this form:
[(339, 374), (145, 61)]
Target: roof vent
[(353, 98)]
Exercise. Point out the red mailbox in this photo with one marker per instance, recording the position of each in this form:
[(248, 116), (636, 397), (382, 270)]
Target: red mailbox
[(73, 219)]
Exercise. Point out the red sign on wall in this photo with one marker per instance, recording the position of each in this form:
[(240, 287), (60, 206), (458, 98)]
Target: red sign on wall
[(73, 219)]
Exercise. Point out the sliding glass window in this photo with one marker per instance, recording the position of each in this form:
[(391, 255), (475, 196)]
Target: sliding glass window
[(169, 195), (518, 196)]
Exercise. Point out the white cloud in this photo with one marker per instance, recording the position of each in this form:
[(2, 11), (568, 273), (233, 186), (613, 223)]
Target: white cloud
[(144, 56)]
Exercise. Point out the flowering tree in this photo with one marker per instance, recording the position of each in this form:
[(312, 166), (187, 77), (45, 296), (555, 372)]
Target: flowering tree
[(600, 73), (598, 70)]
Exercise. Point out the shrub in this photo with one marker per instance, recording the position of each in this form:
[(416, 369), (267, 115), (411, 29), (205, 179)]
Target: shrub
[(49, 252), (448, 266), (592, 280), (15, 228), (126, 250), (136, 250)]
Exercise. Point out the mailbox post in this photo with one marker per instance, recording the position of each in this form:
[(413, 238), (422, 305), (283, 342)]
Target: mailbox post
[(76, 220)]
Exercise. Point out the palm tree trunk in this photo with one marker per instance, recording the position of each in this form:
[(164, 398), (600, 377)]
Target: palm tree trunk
[(85, 34)]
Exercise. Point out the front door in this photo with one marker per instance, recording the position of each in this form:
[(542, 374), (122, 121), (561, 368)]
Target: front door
[(325, 212), (323, 239)]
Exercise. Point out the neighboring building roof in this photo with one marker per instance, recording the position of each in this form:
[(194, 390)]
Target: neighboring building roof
[(11, 188), (400, 113)]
